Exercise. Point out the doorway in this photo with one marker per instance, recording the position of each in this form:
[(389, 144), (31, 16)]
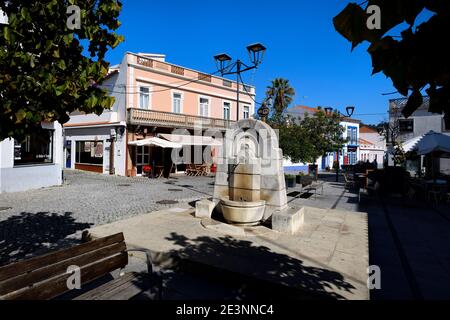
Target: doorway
[(142, 159)]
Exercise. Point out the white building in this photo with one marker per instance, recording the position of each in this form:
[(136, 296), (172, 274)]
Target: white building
[(350, 153), (34, 163), (372, 145)]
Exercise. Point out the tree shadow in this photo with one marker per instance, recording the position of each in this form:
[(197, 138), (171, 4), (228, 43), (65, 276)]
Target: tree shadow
[(249, 272), (30, 234)]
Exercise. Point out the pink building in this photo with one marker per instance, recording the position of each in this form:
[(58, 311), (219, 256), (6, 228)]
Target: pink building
[(153, 97)]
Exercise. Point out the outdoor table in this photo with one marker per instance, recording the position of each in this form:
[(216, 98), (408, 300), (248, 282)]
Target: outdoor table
[(436, 189)]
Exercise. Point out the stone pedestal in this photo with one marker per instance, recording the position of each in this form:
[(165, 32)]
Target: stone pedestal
[(204, 209), (289, 220)]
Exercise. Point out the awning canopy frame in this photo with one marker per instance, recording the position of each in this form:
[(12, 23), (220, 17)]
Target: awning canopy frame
[(154, 141)]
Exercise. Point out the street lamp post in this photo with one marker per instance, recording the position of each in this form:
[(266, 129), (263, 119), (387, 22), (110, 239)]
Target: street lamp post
[(350, 111), (256, 52)]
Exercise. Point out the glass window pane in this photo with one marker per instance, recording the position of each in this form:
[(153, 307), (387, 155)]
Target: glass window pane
[(35, 149)]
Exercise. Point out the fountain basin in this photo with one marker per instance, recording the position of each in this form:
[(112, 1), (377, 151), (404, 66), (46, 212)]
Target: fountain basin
[(243, 213)]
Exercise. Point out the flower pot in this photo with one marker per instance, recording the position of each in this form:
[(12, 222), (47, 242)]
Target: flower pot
[(290, 182)]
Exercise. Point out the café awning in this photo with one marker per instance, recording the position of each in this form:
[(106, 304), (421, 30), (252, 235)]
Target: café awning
[(154, 141), (433, 142), (186, 140), (411, 145)]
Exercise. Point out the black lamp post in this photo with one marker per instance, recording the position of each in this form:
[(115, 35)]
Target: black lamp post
[(263, 112), (226, 67), (350, 111)]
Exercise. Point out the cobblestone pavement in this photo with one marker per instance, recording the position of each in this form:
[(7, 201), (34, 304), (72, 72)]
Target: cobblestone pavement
[(36, 221)]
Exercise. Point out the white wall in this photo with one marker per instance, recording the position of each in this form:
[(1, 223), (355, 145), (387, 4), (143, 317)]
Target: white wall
[(100, 134), (23, 178)]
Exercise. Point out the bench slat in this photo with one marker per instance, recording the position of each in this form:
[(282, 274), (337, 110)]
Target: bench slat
[(16, 269), (123, 288), (54, 270), (58, 286)]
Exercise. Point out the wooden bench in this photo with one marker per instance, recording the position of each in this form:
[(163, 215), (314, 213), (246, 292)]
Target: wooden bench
[(314, 187), (46, 277)]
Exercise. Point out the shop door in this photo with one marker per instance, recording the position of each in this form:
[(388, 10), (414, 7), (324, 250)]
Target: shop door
[(142, 159)]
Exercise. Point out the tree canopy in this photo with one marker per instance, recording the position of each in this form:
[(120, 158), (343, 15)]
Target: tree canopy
[(45, 74), (307, 139), (282, 95), (418, 59)]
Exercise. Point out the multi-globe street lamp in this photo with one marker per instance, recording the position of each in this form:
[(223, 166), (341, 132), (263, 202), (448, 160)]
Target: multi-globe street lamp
[(226, 67), (350, 111)]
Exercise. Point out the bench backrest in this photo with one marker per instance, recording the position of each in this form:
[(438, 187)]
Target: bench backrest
[(45, 277)]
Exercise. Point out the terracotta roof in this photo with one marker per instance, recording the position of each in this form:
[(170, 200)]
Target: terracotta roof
[(315, 110), (366, 129), (305, 108), (365, 142)]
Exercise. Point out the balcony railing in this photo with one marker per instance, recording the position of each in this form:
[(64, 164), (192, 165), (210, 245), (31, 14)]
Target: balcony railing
[(173, 120)]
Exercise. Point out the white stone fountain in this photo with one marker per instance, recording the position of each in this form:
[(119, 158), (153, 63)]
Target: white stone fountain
[(243, 205), (250, 186)]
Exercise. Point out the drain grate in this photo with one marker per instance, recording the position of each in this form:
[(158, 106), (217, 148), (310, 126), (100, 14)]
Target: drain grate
[(306, 195), (124, 185), (186, 186), (175, 190), (5, 208), (167, 202), (294, 194)]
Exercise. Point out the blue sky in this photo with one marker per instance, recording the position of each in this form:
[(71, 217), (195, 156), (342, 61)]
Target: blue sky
[(302, 46)]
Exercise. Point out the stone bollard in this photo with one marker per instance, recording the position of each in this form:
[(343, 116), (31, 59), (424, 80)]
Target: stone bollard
[(204, 209)]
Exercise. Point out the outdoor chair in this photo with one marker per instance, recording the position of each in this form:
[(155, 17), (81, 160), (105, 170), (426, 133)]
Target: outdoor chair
[(190, 170), (350, 183)]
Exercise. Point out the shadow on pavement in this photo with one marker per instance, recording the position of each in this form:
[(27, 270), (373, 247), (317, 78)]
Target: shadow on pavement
[(258, 273), (29, 234)]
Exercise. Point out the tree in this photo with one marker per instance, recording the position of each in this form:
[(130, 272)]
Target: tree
[(294, 141), (418, 59), (324, 133), (282, 95), (44, 73), (305, 140)]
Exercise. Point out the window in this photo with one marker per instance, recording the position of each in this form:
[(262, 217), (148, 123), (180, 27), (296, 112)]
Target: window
[(226, 110), (89, 152), (246, 112), (204, 107), (144, 97), (352, 135), (176, 101), (406, 125), (37, 148)]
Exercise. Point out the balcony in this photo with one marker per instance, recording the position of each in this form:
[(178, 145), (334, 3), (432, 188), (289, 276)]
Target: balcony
[(145, 117)]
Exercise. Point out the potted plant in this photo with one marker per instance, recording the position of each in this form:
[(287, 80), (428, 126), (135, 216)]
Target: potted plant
[(147, 170), (290, 181), (299, 178)]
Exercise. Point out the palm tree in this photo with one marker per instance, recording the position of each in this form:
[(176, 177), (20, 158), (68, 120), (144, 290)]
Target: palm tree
[(282, 95)]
